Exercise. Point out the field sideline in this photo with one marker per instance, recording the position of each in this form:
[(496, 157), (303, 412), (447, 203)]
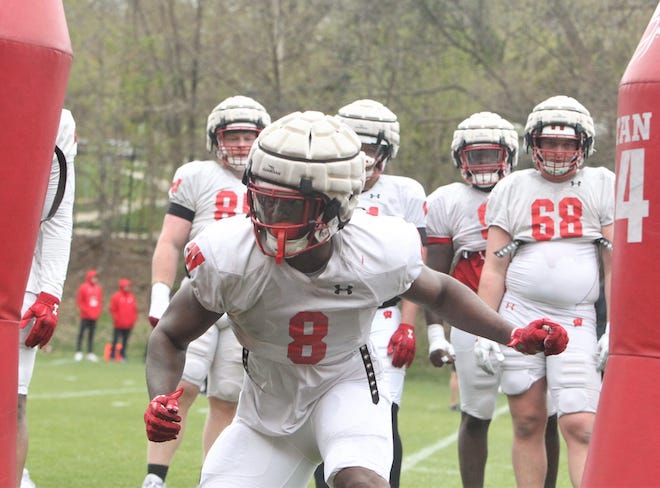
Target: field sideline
[(86, 429)]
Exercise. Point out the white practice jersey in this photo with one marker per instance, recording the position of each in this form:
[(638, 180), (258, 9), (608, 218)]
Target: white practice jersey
[(531, 208), (557, 223), (397, 196), (53, 247), (457, 215), (303, 331), (205, 191)]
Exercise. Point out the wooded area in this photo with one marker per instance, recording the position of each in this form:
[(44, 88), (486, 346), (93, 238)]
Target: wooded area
[(146, 73)]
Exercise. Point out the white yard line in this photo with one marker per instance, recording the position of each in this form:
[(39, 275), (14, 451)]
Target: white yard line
[(86, 393), (414, 459)]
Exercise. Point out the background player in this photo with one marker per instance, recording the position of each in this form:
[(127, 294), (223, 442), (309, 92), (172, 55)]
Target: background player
[(203, 192), (47, 276), (392, 330), (485, 149), (311, 389), (542, 258)]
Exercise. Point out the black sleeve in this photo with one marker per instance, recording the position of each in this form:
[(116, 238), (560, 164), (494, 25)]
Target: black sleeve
[(422, 235), (181, 211)]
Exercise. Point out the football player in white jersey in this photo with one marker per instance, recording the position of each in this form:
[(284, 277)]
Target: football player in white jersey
[(301, 285), (549, 227), (201, 193), (485, 149), (50, 262), (393, 330)]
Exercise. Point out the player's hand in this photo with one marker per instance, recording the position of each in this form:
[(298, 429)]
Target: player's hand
[(44, 312), (160, 299), (542, 335), (603, 350), (488, 355), (162, 417), (402, 346), (441, 352)]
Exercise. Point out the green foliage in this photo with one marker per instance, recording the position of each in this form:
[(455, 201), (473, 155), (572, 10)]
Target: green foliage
[(146, 74)]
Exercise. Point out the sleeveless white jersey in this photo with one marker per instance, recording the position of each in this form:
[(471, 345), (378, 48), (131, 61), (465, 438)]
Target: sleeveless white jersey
[(209, 191), (53, 247), (397, 196), (557, 223), (457, 214), (303, 332)]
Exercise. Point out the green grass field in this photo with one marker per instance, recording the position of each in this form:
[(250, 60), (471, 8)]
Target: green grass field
[(86, 429)]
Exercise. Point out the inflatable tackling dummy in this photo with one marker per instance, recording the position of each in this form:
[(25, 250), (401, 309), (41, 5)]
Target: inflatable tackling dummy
[(35, 60), (624, 445)]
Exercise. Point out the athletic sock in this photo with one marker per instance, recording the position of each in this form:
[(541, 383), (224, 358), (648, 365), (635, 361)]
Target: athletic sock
[(159, 470)]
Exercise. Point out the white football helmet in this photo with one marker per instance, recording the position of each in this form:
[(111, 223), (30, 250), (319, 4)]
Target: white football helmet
[(304, 175), (485, 149), (566, 130), (244, 117), (378, 130)]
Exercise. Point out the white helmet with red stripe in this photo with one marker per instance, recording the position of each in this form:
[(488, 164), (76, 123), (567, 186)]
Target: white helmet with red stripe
[(560, 132), (304, 175), (485, 149), (232, 127)]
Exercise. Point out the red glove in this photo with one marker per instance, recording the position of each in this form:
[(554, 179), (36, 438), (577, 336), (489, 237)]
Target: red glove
[(44, 312), (162, 417), (542, 335), (557, 339), (402, 346)]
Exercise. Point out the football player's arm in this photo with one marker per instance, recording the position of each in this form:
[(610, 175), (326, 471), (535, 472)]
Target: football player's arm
[(56, 236), (402, 345), (493, 274), (403, 342), (184, 321), (173, 237), (459, 305), (491, 289), (54, 253), (409, 309), (454, 302), (438, 257), (56, 232)]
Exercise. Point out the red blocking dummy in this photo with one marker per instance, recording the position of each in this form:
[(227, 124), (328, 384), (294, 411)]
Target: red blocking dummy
[(624, 446), (35, 60)]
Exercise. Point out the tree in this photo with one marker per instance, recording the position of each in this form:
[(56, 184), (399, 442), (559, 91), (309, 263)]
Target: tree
[(146, 74)]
